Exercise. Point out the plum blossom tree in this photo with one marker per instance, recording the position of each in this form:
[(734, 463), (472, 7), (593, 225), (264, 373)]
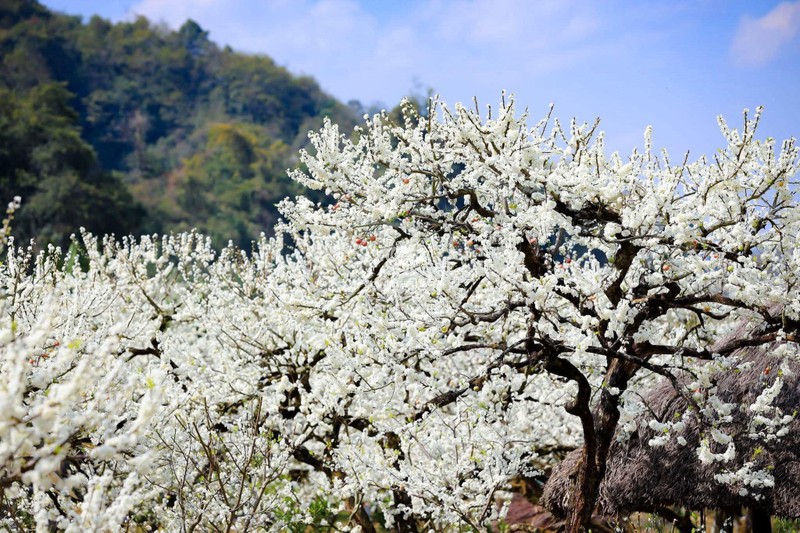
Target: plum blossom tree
[(479, 295), (169, 386), (464, 218)]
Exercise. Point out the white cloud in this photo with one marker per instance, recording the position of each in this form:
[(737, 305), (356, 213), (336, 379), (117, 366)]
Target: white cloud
[(481, 45), (172, 13), (506, 22), (760, 40)]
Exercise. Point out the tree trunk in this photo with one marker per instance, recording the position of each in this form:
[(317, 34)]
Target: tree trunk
[(715, 520), (762, 521), (597, 442), (584, 496), (402, 523), (359, 514), (586, 486)]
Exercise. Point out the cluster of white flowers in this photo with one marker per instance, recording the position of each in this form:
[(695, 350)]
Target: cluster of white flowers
[(5, 229), (404, 351), (768, 421), (748, 476)]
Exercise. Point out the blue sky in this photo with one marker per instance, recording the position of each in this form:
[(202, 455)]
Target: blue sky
[(673, 64)]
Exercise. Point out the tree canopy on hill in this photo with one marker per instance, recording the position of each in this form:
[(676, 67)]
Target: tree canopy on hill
[(44, 159), (146, 108)]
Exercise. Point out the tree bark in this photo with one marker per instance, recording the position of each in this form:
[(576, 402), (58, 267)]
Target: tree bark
[(584, 495), (762, 521), (598, 436), (356, 509), (402, 523)]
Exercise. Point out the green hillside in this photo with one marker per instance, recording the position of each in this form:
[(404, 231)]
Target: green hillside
[(132, 127)]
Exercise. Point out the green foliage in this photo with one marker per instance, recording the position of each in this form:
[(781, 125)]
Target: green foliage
[(321, 515), (200, 135), (781, 525), (230, 187), (44, 159)]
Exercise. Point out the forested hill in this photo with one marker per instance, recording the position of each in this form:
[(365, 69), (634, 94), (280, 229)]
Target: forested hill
[(133, 128)]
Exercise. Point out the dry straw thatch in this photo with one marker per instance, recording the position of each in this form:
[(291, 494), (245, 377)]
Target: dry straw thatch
[(643, 478)]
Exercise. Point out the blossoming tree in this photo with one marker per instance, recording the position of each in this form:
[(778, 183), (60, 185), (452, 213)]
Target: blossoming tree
[(532, 255), (477, 295)]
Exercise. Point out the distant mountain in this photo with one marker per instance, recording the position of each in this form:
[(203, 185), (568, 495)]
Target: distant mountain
[(132, 127)]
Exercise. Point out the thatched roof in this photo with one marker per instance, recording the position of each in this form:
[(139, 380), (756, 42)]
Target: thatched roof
[(641, 477)]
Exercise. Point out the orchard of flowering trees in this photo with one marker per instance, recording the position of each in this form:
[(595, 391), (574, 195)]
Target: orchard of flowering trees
[(477, 295)]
